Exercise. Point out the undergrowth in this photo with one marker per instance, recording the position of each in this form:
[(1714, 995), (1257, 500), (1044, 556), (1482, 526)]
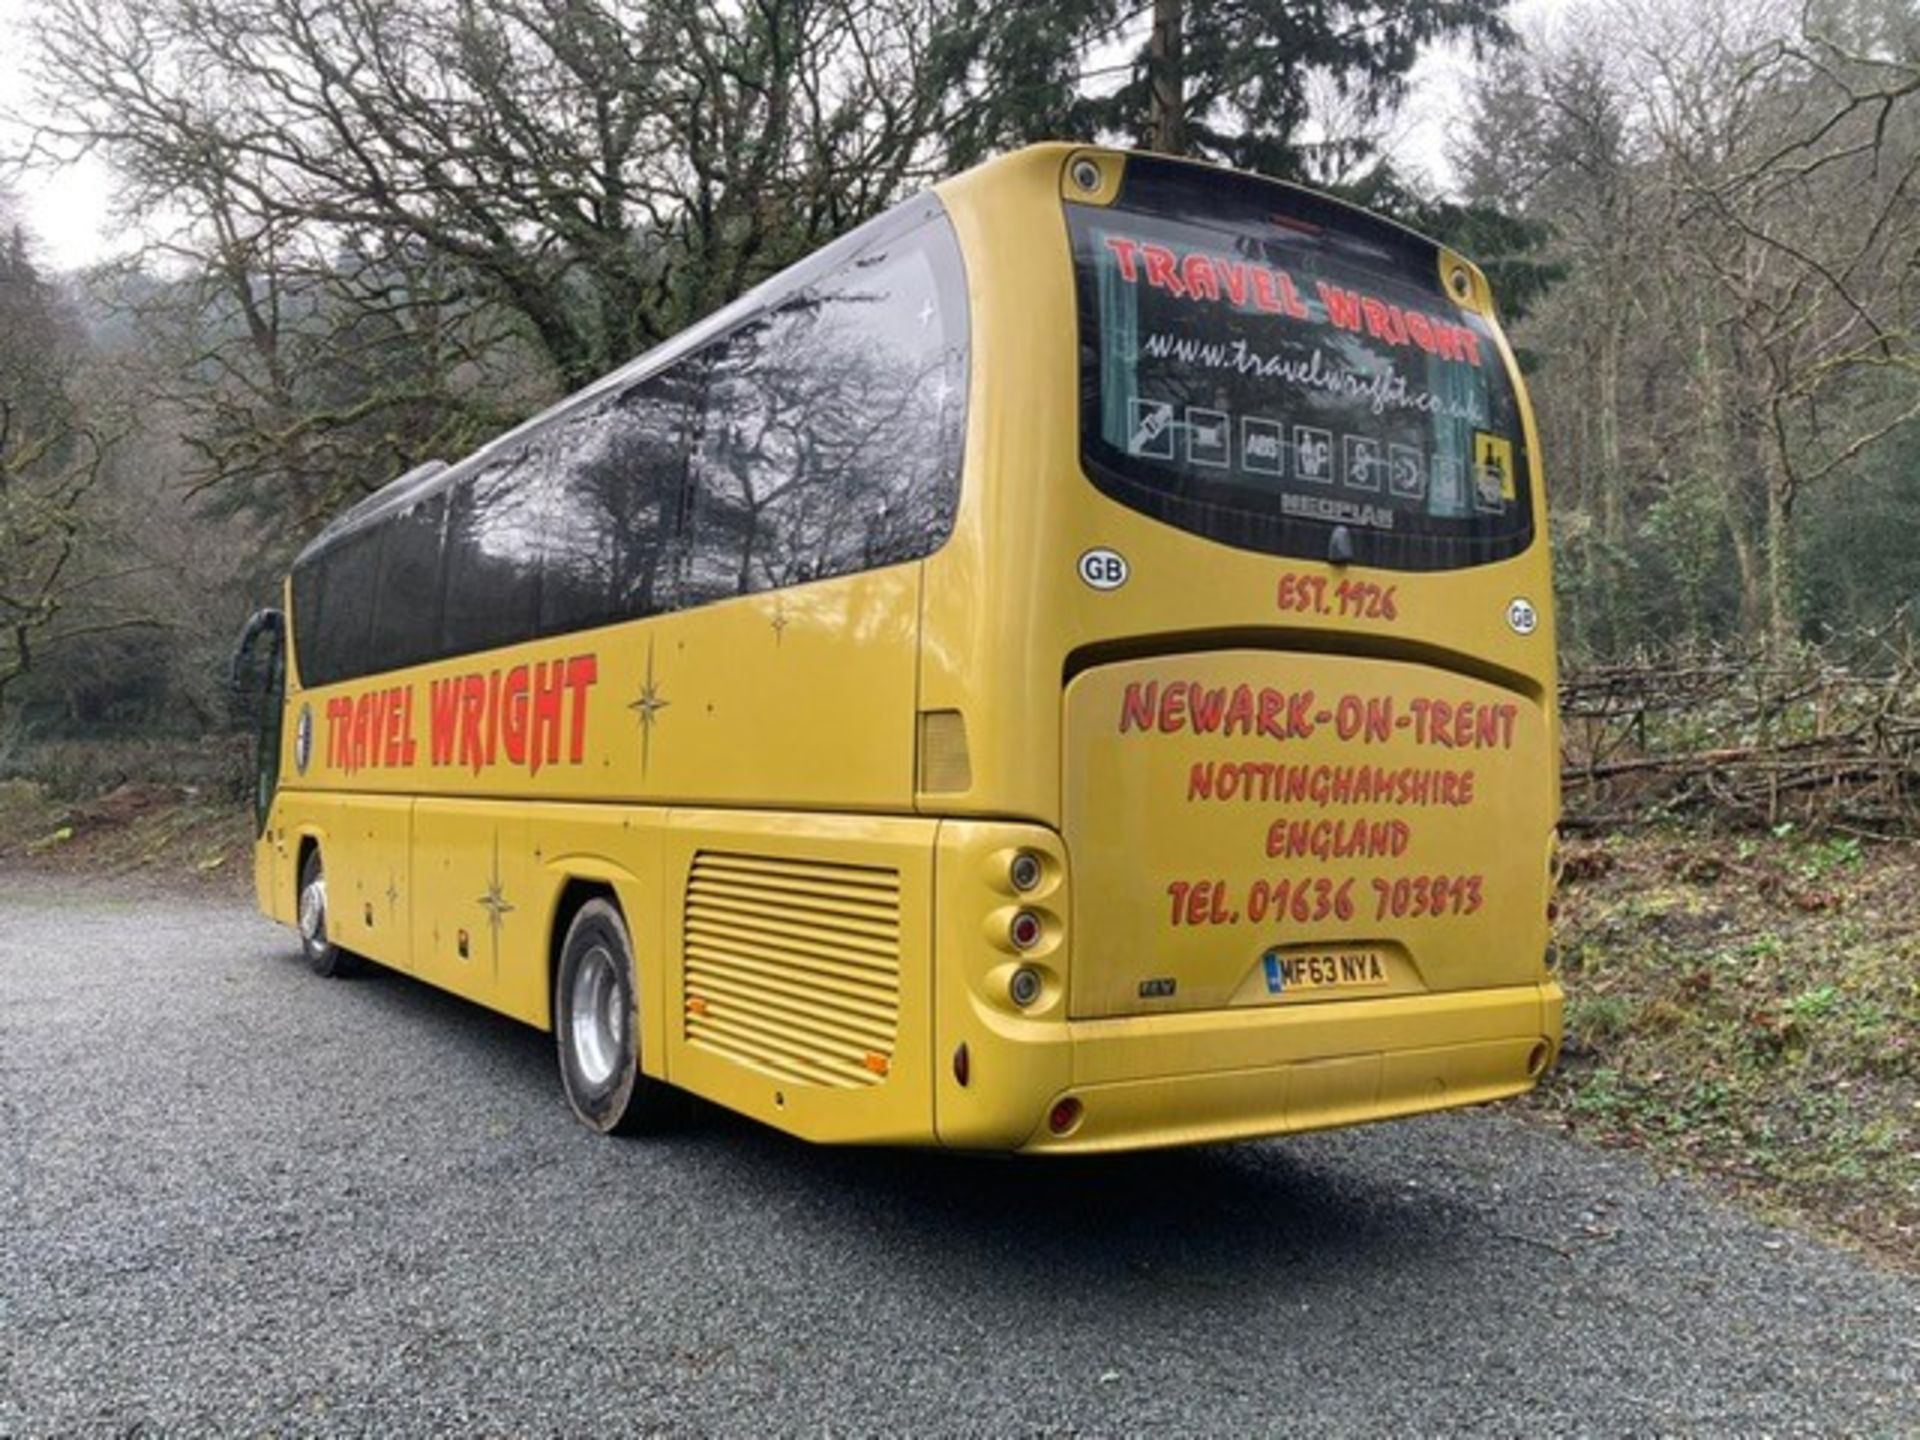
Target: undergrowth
[(1750, 1008), (165, 832)]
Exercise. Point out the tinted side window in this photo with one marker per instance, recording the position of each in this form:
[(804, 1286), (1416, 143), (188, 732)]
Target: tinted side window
[(306, 618), (745, 450), (406, 612), (619, 473), (832, 425), (820, 438), (492, 588), (348, 572)]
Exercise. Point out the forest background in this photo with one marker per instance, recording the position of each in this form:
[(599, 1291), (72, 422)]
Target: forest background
[(354, 235), (371, 234)]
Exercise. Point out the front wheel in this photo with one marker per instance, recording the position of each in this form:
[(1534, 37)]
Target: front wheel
[(594, 1022), (323, 956)]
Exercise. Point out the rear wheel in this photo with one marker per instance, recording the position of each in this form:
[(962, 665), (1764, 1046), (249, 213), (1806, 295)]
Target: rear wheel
[(595, 1029), (323, 956)]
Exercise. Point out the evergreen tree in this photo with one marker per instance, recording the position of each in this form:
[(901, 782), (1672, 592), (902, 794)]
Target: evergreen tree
[(1239, 75)]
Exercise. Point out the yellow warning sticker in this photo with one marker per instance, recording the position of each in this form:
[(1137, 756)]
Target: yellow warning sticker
[(1493, 456)]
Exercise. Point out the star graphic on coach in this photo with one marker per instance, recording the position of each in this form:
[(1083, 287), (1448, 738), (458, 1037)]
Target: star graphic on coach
[(647, 707), (494, 902)]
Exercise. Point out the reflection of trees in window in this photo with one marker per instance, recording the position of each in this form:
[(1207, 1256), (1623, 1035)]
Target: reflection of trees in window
[(619, 472), (406, 613), (831, 433), (493, 553)]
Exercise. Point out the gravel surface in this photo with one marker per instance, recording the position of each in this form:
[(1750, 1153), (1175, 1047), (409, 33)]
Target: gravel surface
[(236, 1197)]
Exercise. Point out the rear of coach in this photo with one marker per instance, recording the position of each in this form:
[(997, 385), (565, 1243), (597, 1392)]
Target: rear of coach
[(1242, 653)]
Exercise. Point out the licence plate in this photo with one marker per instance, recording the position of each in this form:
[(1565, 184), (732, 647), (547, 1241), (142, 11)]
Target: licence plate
[(1289, 972)]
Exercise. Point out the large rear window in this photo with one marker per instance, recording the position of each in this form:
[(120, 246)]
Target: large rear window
[(1259, 364)]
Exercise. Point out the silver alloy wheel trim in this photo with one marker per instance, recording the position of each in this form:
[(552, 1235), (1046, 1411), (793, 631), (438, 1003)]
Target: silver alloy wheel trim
[(313, 912), (599, 1023)]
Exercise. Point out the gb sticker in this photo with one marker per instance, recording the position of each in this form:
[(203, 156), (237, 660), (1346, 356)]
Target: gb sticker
[(1522, 618), (1104, 569)]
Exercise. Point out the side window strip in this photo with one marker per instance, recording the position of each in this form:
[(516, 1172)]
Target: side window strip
[(817, 438)]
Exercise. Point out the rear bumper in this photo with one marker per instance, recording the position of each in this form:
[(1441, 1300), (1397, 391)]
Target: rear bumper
[(1197, 1076), (1228, 1075)]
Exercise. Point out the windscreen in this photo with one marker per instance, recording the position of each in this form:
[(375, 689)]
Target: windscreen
[(1259, 365)]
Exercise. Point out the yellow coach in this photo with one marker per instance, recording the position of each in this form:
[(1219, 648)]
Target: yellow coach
[(1066, 667)]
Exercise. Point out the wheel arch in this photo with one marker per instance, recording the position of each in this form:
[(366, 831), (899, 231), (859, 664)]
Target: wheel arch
[(309, 843), (572, 897), (653, 1104)]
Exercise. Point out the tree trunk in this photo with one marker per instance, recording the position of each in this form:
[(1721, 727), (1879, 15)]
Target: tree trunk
[(1782, 606), (1723, 463), (1167, 117), (1613, 517)]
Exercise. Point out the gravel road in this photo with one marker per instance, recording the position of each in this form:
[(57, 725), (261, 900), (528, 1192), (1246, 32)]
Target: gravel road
[(236, 1197)]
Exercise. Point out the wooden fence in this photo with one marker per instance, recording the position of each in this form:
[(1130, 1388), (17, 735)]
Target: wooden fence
[(1825, 740)]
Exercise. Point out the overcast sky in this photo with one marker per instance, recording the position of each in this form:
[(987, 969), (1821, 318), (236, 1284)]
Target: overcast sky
[(70, 210), (67, 210)]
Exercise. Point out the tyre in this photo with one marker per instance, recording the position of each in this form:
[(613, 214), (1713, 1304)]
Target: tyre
[(323, 956), (595, 1030)]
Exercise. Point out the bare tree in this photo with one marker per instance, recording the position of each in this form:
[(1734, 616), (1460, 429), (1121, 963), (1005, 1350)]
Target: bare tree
[(1733, 193), (53, 453), (1792, 166), (386, 232), (604, 170)]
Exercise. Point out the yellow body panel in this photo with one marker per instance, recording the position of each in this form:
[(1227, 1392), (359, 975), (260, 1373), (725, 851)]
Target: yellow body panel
[(1399, 816), (788, 943), (819, 910), (733, 703)]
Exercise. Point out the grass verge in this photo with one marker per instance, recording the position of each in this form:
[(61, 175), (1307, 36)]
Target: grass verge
[(1750, 1008)]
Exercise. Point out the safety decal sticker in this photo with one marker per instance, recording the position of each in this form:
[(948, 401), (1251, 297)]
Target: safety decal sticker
[(1493, 465)]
